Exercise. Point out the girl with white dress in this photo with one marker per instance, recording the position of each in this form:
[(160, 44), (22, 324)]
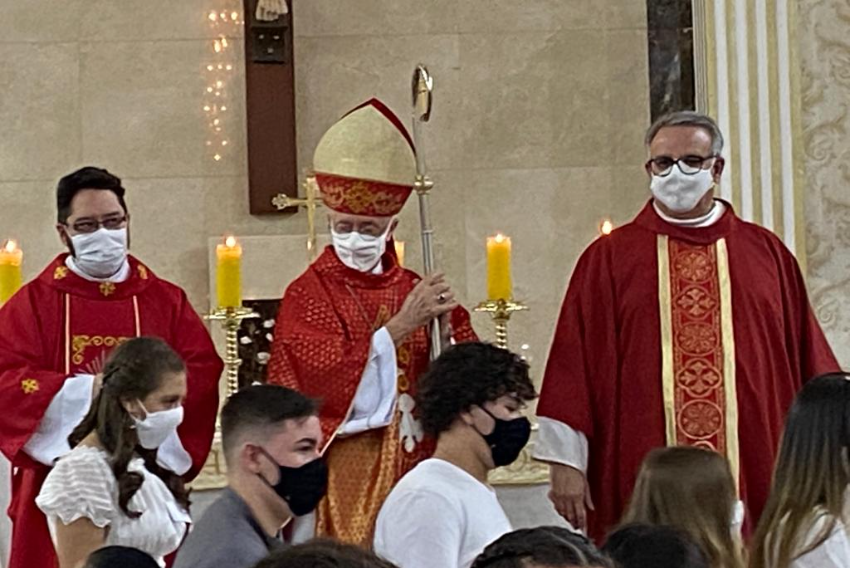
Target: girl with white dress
[(110, 490), (805, 522)]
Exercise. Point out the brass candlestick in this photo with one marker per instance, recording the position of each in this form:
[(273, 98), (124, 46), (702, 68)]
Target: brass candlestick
[(231, 319), (500, 311)]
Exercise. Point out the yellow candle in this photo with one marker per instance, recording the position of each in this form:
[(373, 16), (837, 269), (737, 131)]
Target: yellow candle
[(399, 252), (229, 273), (11, 258), (499, 268)]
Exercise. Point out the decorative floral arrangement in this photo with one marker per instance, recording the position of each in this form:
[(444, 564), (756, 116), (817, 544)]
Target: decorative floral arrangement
[(255, 341)]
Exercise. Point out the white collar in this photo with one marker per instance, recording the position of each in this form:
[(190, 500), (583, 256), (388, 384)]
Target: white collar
[(713, 216), (121, 276)]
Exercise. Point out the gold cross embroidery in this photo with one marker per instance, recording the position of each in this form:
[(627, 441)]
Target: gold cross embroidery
[(29, 386), (60, 272), (107, 289)]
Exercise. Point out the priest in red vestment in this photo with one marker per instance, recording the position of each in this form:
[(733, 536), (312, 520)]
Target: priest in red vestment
[(352, 330), (687, 326), (55, 334)]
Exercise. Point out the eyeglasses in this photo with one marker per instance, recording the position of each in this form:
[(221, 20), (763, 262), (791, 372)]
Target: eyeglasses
[(91, 225), (688, 165)]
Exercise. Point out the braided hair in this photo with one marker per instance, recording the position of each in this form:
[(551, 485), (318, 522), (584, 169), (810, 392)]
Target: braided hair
[(133, 371)]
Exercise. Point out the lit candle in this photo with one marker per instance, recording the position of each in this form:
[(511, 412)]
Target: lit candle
[(605, 227), (11, 257), (229, 273), (499, 268), (399, 252)]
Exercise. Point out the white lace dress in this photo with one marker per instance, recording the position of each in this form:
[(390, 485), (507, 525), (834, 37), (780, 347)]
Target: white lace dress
[(82, 485)]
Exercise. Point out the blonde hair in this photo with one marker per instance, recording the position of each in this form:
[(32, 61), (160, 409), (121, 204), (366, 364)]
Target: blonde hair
[(690, 489), (811, 475)]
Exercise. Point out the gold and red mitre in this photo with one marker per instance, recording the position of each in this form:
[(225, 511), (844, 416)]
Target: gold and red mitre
[(365, 164)]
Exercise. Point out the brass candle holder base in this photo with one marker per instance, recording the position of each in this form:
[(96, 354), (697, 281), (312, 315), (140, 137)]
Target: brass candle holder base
[(231, 319), (500, 311), (214, 473), (524, 471)]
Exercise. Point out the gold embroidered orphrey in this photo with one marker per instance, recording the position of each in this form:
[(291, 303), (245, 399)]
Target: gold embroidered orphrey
[(79, 344), (698, 348), (359, 199)]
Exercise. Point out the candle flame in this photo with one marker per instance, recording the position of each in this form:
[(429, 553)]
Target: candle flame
[(500, 238), (230, 241), (10, 245), (606, 227)]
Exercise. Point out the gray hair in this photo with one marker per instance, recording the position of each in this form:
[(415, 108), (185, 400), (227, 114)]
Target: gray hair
[(688, 118)]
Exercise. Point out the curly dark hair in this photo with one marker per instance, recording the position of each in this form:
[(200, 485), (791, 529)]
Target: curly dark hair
[(542, 546), (467, 375), (133, 371)]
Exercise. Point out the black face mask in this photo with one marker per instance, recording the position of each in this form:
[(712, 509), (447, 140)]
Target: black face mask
[(301, 487), (507, 439)]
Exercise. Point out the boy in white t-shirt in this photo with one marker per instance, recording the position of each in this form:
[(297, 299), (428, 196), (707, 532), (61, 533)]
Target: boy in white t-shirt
[(443, 513)]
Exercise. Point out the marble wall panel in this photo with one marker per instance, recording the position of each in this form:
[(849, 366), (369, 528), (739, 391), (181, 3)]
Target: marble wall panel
[(318, 18), (539, 112), (499, 16), (825, 81), (39, 109), (335, 74), (142, 109)]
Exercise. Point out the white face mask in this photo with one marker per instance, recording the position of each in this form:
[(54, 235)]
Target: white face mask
[(358, 251), (157, 426), (679, 192), (100, 254)]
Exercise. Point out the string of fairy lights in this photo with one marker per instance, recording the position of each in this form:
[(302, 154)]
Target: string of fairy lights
[(217, 77)]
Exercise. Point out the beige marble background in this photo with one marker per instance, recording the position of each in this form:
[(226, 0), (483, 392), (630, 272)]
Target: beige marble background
[(824, 40), (540, 108)]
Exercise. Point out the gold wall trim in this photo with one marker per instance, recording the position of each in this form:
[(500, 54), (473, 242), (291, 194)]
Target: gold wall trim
[(751, 55), (720, 63), (795, 76), (705, 98), (775, 147)]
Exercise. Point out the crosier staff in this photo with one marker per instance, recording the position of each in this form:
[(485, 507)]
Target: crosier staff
[(423, 85)]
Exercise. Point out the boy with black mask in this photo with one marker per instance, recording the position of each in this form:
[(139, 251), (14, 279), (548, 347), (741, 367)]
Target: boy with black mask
[(443, 513), (272, 444)]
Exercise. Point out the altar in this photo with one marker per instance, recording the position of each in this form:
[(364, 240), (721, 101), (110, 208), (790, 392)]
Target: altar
[(268, 265)]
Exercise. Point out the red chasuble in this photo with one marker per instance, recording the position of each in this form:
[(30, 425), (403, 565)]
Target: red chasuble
[(322, 342), (671, 336), (60, 325)]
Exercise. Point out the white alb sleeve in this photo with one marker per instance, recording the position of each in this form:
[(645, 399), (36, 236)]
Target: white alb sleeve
[(375, 400), (64, 413), (559, 443)]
